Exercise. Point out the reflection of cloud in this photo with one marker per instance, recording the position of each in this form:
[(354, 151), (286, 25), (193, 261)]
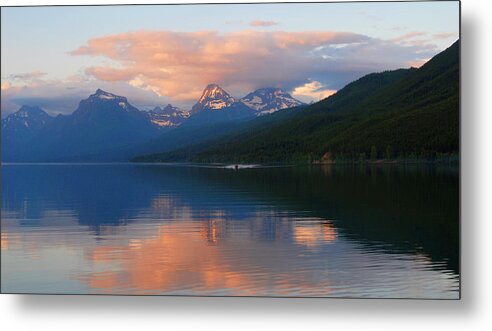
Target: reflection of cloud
[(178, 259), (314, 234), (262, 23), (216, 228), (4, 241), (174, 259)]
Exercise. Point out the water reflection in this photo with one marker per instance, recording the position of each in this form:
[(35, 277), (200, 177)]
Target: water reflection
[(313, 231)]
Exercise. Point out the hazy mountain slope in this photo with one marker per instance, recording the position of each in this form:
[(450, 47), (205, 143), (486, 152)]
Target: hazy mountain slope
[(19, 128), (101, 121), (202, 126)]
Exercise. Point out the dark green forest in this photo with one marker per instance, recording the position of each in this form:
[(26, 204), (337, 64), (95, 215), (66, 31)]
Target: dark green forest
[(405, 114)]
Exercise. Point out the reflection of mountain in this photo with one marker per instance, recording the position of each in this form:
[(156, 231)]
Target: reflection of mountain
[(396, 209)]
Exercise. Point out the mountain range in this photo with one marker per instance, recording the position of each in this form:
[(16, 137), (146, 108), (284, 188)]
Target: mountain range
[(168, 116), (269, 100), (107, 126), (399, 114)]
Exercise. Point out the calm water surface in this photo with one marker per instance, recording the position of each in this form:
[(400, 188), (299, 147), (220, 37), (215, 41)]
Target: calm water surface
[(380, 231)]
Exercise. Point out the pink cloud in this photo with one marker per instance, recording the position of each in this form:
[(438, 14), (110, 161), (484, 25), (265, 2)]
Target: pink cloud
[(417, 63), (179, 64), (156, 67), (418, 38), (408, 36), (444, 35)]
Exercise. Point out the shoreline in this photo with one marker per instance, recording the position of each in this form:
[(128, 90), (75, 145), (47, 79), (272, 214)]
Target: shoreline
[(248, 165)]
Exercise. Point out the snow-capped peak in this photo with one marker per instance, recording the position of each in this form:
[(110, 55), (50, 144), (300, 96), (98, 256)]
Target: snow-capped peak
[(213, 98), (269, 100), (103, 95), (26, 111), (214, 91), (27, 117), (168, 116), (102, 101)]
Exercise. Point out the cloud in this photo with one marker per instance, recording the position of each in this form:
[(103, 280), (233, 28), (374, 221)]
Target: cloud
[(262, 23), (63, 96), (419, 38), (312, 90), (408, 36), (179, 64), (418, 63), (6, 85), (27, 76), (7, 92), (159, 67), (444, 35)]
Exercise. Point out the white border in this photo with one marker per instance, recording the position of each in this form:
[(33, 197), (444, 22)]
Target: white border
[(473, 312)]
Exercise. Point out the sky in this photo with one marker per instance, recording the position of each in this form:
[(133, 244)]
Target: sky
[(53, 57)]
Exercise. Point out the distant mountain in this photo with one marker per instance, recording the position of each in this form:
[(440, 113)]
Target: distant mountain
[(168, 116), (213, 98), (102, 121), (25, 122), (407, 113), (105, 126), (20, 127), (269, 100), (215, 106)]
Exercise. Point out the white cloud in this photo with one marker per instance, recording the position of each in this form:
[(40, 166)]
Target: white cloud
[(312, 91)]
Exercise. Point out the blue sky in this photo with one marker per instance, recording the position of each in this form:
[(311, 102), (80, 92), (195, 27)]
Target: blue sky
[(42, 57)]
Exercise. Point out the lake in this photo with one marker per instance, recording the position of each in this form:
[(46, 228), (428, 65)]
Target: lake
[(150, 229)]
